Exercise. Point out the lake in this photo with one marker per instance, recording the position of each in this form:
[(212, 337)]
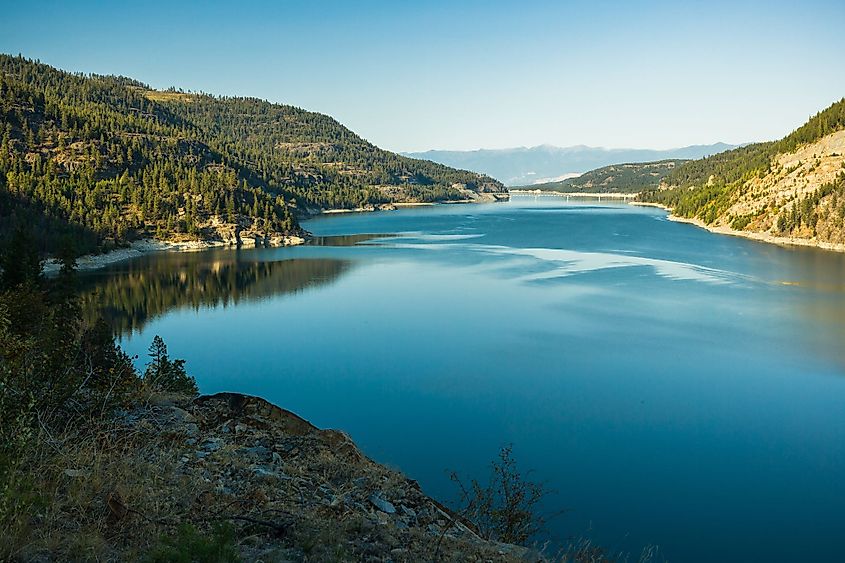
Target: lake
[(675, 387)]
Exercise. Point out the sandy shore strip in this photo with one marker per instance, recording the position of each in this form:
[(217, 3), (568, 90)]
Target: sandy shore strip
[(751, 235), (148, 246), (95, 261), (761, 237)]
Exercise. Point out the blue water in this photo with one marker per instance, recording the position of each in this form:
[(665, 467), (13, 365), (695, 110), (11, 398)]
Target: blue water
[(676, 388)]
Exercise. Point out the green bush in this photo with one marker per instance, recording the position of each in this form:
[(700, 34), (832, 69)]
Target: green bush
[(18, 496), (739, 223), (61, 366), (188, 545)]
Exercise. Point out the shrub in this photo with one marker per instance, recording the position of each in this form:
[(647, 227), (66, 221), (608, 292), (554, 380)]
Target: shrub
[(61, 381), (165, 374), (739, 223), (188, 545), (504, 509)]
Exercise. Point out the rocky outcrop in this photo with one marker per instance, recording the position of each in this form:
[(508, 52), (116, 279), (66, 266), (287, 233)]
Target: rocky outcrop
[(243, 231), (304, 493)]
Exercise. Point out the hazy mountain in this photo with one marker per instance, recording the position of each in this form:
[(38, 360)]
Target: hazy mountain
[(547, 163)]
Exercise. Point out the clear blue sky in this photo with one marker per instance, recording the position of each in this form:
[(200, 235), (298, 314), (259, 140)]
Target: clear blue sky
[(463, 75)]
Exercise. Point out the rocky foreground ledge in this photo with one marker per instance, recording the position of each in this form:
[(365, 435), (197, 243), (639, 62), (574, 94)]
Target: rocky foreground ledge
[(292, 492)]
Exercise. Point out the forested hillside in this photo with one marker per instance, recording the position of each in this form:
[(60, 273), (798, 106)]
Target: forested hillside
[(105, 160), (794, 187), (617, 178)]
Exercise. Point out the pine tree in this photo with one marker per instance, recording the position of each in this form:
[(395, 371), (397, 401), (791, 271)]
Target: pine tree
[(166, 374)]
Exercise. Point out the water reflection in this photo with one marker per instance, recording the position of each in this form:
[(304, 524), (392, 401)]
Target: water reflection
[(811, 268), (130, 294), (819, 278), (345, 240)]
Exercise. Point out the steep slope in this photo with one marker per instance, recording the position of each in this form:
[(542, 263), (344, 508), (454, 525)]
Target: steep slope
[(630, 177), (792, 190), (287, 490), (105, 160), (523, 166)]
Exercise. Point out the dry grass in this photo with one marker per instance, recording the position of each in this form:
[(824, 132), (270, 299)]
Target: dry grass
[(159, 96), (793, 176), (111, 490), (87, 476)]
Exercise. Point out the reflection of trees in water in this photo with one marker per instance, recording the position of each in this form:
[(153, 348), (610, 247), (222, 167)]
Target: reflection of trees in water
[(345, 240), (129, 295)]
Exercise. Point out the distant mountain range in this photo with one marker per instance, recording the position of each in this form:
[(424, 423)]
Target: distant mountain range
[(547, 163)]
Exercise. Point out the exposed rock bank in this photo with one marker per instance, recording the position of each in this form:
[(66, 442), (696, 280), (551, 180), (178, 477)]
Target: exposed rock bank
[(142, 247), (294, 491), (769, 238)]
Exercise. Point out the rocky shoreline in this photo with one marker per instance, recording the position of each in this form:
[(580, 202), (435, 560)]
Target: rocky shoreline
[(150, 246), (293, 492), (761, 237), (751, 235)]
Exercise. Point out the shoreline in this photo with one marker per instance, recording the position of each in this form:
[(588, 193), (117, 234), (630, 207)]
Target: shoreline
[(144, 247), (761, 237), (90, 262), (138, 248), (400, 205), (602, 195), (396, 205), (373, 208), (750, 235)]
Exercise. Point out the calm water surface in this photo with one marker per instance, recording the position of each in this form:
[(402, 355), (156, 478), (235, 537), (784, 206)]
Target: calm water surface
[(676, 388)]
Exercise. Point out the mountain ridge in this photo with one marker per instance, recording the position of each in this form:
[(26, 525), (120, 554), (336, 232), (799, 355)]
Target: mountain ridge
[(627, 178), (521, 166)]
